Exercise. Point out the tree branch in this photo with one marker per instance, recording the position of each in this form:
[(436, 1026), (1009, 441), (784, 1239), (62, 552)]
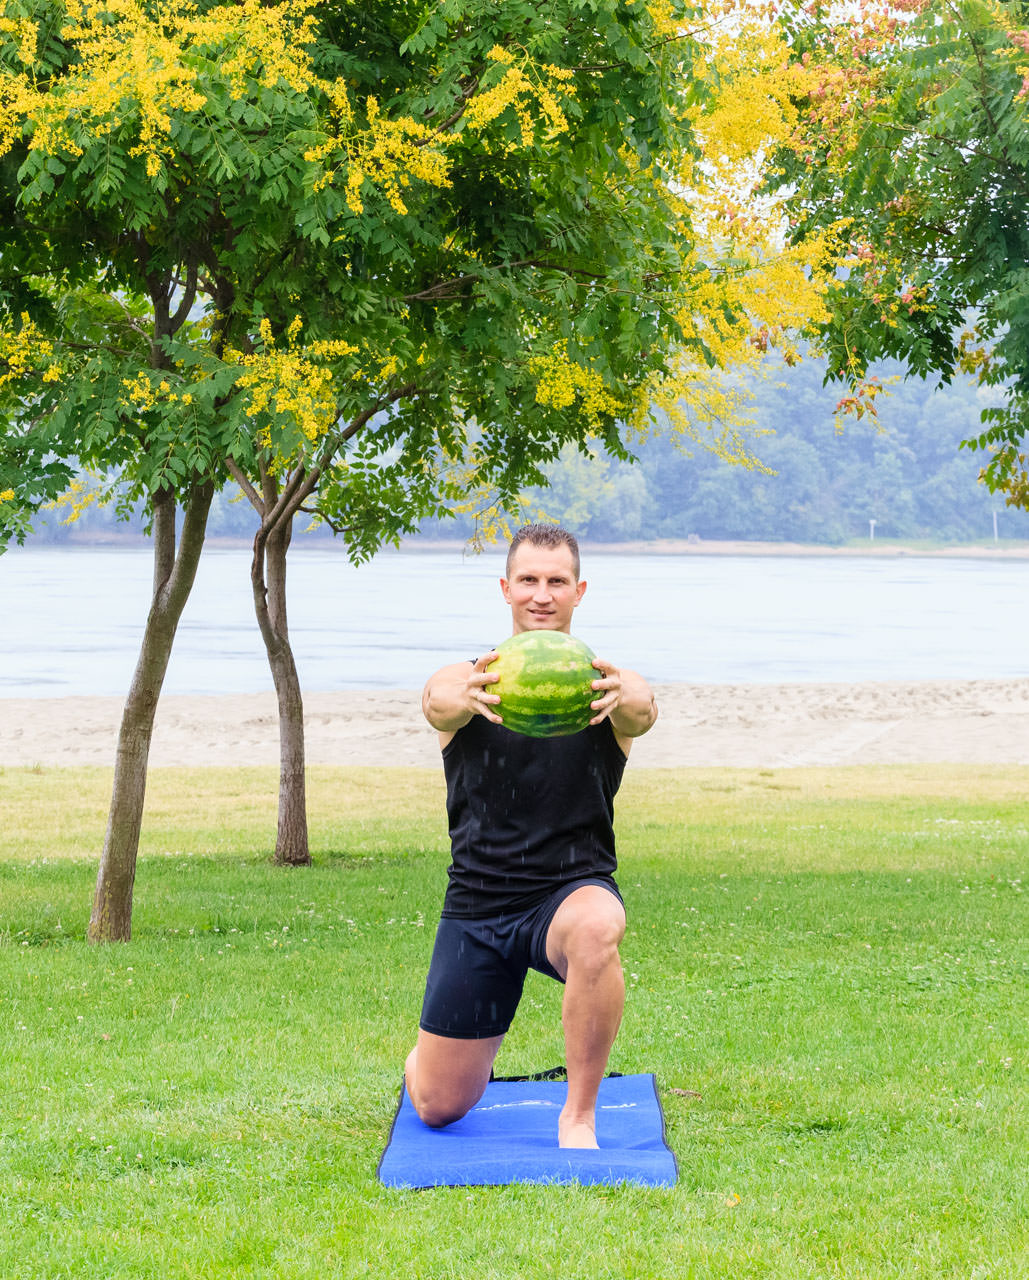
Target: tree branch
[(467, 93), (444, 289), (188, 297), (103, 346), (337, 526), (440, 290), (269, 484), (243, 480), (301, 484), (545, 264)]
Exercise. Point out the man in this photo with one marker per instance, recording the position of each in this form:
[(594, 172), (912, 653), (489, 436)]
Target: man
[(531, 879)]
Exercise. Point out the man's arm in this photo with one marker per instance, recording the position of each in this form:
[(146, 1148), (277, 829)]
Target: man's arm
[(624, 698), (456, 693)]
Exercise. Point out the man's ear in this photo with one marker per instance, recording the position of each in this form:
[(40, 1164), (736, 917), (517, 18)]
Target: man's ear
[(506, 589), (580, 590)]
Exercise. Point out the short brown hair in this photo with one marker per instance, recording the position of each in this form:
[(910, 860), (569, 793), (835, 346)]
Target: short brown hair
[(545, 535)]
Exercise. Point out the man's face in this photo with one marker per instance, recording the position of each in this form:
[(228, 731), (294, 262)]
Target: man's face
[(542, 589)]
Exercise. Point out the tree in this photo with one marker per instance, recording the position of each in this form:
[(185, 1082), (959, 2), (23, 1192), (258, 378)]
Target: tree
[(917, 140), (102, 260), (374, 262), (549, 260)]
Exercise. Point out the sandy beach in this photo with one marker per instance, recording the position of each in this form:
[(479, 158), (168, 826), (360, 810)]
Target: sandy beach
[(767, 726)]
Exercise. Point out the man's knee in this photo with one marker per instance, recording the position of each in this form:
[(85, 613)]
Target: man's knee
[(438, 1112), (594, 942), (446, 1078), (442, 1102), (586, 931)]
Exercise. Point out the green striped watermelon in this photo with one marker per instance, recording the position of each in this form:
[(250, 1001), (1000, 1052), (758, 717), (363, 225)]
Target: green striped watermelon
[(545, 683)]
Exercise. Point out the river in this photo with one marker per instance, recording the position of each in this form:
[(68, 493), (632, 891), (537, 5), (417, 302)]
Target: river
[(71, 619)]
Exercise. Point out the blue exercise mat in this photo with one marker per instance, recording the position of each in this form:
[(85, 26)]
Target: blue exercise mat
[(511, 1136)]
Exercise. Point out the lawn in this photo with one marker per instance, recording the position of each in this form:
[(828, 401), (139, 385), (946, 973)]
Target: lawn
[(828, 970)]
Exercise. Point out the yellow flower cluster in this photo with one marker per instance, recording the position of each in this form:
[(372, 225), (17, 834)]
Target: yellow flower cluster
[(462, 483), (561, 381), (135, 62), (26, 33), (269, 42), (402, 149), (76, 499), (735, 314), (388, 154), (6, 495), (523, 88), (291, 381), (1011, 468), (665, 17), (146, 390), (141, 393), (754, 111), (24, 350), (751, 115), (391, 153), (974, 355), (744, 291), (129, 60), (703, 406)]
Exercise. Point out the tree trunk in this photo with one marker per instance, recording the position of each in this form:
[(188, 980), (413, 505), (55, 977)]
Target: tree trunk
[(291, 842), (111, 920)]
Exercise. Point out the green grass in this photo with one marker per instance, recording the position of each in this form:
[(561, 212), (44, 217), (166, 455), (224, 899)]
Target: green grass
[(827, 969)]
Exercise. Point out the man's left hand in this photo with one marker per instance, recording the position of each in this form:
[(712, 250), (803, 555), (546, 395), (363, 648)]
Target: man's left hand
[(624, 698), (609, 689)]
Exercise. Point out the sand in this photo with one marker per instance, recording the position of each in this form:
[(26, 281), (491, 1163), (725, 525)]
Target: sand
[(767, 726)]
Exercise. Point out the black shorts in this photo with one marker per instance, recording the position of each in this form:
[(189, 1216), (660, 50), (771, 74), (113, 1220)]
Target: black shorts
[(479, 965)]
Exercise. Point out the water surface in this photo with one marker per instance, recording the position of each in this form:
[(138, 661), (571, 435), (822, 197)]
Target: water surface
[(71, 620)]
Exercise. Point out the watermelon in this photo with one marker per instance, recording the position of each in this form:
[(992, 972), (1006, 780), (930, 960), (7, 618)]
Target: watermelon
[(545, 683)]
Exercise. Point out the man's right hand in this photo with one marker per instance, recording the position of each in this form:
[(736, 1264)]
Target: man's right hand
[(479, 699), (456, 693)]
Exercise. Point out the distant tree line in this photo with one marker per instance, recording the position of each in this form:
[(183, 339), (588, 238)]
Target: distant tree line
[(907, 472)]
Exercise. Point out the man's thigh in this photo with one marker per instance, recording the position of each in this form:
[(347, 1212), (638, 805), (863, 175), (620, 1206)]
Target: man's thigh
[(474, 982), (588, 923)]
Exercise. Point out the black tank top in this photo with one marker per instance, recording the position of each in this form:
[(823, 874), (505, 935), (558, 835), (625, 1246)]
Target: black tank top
[(527, 815)]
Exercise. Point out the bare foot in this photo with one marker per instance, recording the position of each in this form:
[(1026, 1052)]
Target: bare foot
[(578, 1135)]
